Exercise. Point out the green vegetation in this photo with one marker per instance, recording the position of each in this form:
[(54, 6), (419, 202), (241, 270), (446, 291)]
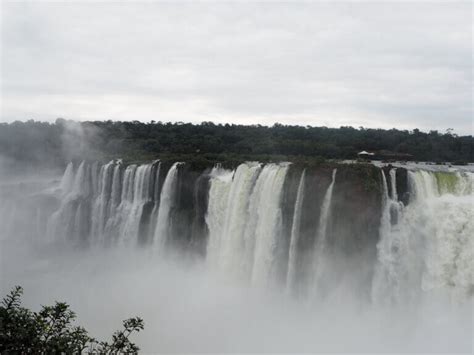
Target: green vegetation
[(50, 331), (206, 143)]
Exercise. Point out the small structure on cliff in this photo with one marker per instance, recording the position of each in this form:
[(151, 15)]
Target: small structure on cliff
[(365, 155)]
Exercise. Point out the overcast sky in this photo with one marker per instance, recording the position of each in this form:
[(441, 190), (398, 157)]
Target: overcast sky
[(373, 64)]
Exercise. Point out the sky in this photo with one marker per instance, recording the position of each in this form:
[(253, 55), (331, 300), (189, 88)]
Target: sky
[(374, 64)]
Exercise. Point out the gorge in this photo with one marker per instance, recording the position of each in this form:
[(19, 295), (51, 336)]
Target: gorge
[(386, 237)]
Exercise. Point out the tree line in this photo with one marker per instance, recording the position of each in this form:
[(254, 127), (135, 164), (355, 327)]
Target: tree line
[(63, 140)]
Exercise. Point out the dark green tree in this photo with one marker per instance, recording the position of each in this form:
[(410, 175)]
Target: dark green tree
[(51, 331)]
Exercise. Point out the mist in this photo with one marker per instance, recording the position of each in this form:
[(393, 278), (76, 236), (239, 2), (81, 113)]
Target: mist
[(189, 309), (191, 305)]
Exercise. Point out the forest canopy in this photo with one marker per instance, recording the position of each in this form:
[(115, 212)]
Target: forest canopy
[(56, 143)]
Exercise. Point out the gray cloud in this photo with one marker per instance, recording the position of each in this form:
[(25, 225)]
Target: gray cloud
[(386, 64)]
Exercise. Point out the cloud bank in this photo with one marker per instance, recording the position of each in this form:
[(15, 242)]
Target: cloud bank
[(386, 64)]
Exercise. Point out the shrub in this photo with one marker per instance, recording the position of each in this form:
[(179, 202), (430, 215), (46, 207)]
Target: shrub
[(50, 331)]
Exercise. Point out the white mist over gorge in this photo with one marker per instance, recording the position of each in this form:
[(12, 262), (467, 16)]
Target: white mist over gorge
[(262, 257)]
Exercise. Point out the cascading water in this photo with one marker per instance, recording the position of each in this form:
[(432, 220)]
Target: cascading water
[(116, 197), (140, 194), (228, 205), (373, 256), (393, 183), (166, 204), (103, 205), (319, 259), (68, 178), (295, 235), (265, 204), (69, 220), (100, 210), (423, 246), (221, 181), (391, 246), (244, 219), (156, 195), (430, 246)]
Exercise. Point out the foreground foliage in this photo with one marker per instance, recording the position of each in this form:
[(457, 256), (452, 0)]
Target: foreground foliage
[(50, 331)]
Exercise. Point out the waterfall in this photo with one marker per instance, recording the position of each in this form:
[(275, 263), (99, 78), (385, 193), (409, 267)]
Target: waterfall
[(103, 205), (156, 191), (444, 220), (81, 185), (295, 235), (393, 183), (67, 179), (100, 210), (266, 205), (325, 210), (247, 232), (221, 181), (120, 203), (66, 221), (244, 219), (386, 284), (321, 237), (430, 247), (116, 197), (139, 194), (232, 244), (166, 204)]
